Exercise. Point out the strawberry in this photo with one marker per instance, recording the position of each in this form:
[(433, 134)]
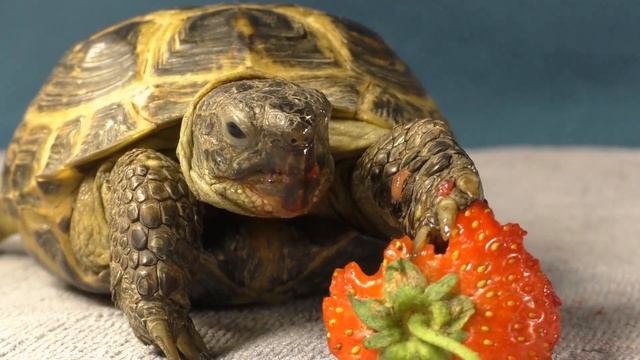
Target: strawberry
[(516, 307), (346, 331), (365, 314), (485, 297)]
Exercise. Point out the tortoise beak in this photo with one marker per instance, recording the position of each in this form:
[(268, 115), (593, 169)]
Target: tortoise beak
[(302, 182), (290, 180)]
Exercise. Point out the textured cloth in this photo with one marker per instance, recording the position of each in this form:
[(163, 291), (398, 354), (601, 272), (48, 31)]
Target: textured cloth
[(580, 207)]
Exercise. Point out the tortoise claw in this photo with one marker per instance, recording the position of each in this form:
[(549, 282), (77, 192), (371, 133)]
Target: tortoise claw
[(191, 345), (446, 211), (437, 224), (186, 341), (421, 238), (469, 183), (161, 335)]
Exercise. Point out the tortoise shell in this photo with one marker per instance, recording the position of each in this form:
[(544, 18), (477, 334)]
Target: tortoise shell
[(129, 83)]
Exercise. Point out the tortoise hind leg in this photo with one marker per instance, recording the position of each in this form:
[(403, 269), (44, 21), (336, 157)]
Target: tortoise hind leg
[(7, 224), (154, 234), (88, 233)]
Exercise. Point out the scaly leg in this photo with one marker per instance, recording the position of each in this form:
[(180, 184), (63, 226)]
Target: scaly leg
[(8, 225), (154, 232), (414, 180)]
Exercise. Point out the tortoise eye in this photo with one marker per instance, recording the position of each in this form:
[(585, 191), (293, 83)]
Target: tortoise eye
[(234, 130)]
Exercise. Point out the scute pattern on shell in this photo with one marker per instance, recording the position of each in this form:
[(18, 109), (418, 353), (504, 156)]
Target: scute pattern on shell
[(92, 69), (126, 83), (371, 55), (109, 125), (142, 75), (62, 147), (202, 44)]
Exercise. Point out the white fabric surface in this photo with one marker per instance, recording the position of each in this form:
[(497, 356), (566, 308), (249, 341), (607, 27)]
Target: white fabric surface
[(579, 205)]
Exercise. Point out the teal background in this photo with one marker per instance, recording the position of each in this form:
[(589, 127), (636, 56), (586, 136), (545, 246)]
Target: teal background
[(503, 71)]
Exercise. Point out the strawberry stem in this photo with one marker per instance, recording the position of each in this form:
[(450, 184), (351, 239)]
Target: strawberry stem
[(417, 328)]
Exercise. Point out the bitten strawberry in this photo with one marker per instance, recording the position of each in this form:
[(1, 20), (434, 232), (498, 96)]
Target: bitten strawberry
[(514, 308), (366, 315), (346, 331)]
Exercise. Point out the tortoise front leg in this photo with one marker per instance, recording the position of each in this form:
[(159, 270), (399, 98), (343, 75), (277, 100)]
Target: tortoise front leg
[(414, 180), (154, 233)]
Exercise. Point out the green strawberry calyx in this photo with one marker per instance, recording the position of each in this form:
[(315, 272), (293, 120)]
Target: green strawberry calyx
[(416, 320)]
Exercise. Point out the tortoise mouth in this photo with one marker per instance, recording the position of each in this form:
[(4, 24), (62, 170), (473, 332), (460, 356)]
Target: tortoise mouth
[(284, 185), (275, 192), (288, 195), (249, 200)]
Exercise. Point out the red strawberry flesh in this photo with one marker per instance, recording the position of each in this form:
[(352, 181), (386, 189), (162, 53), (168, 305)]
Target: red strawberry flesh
[(516, 310)]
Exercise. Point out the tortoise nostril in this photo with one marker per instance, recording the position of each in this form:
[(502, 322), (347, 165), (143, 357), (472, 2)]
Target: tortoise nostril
[(296, 139)]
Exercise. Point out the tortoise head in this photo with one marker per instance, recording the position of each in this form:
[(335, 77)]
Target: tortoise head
[(258, 147)]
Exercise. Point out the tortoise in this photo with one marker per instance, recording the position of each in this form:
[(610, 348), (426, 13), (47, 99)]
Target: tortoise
[(227, 154)]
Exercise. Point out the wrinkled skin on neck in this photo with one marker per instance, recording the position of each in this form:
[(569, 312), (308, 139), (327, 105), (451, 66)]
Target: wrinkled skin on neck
[(258, 148)]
